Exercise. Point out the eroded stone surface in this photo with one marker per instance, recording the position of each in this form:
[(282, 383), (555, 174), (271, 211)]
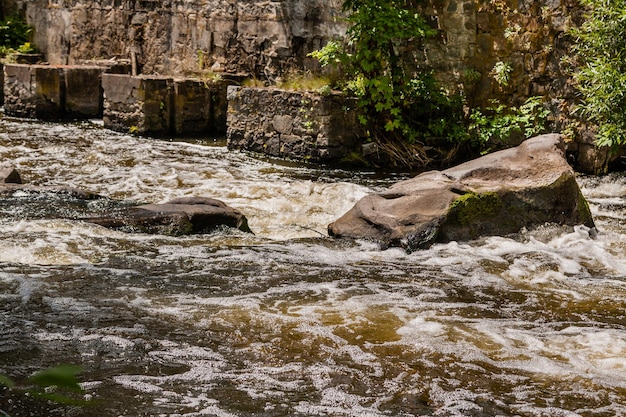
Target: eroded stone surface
[(181, 216), (497, 194)]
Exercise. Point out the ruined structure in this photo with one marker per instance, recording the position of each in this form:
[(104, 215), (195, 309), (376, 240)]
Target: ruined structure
[(485, 49)]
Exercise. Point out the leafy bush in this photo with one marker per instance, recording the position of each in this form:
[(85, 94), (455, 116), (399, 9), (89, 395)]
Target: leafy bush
[(14, 32), (599, 50), (403, 108), (399, 100), (497, 124)]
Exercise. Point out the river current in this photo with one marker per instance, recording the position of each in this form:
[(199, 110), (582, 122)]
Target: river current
[(289, 322)]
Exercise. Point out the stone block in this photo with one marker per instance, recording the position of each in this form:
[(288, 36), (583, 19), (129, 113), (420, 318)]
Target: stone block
[(33, 91), (83, 92), (163, 106), (192, 107), (291, 124), (199, 107), (52, 92), (49, 92), (138, 104)]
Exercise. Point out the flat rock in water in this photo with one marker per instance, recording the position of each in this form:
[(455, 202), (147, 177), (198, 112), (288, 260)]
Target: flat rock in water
[(497, 194), (180, 216), (177, 217)]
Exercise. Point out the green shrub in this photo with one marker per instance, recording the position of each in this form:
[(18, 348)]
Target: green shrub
[(497, 124), (399, 99), (599, 50), (14, 32), (402, 107)]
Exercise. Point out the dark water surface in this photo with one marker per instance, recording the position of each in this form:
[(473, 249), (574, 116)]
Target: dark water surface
[(288, 322)]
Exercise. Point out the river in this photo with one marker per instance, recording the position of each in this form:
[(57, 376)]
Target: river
[(288, 322)]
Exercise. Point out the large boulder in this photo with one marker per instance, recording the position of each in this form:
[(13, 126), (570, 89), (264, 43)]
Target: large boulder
[(497, 194), (180, 216)]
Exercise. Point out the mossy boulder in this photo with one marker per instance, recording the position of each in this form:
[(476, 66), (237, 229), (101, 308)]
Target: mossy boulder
[(498, 194)]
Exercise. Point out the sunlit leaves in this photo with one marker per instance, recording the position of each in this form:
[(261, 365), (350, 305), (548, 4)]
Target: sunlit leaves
[(497, 123), (600, 50)]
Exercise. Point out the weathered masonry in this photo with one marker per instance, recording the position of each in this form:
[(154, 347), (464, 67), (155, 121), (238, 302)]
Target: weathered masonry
[(270, 39), (52, 92), (292, 124), (164, 106), (176, 37)]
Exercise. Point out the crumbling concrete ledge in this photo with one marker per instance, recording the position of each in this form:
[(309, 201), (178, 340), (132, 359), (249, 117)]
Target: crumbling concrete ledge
[(49, 92)]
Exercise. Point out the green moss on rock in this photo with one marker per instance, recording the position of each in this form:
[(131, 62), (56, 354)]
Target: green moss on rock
[(466, 209), (584, 212)]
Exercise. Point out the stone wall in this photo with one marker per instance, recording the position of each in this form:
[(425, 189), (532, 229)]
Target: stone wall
[(173, 37), (268, 39), (297, 125)]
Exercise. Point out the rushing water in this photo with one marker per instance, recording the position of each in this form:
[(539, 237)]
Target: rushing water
[(288, 322)]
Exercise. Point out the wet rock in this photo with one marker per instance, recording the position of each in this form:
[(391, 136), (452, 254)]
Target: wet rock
[(180, 216), (497, 194), (9, 175)]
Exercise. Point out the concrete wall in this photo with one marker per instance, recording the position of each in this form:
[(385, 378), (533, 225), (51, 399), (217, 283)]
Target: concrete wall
[(52, 92)]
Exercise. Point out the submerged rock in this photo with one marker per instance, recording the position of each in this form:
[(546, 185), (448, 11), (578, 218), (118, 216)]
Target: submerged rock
[(180, 216), (497, 194)]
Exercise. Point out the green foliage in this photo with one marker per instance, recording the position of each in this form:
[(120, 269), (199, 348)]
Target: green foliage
[(397, 97), (331, 54), (400, 101), (471, 76), (14, 32), (599, 51), (497, 123), (26, 48), (6, 381), (390, 77), (52, 384), (501, 72)]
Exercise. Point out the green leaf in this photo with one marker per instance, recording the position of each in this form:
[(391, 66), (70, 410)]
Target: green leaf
[(58, 398), (6, 381), (63, 376)]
